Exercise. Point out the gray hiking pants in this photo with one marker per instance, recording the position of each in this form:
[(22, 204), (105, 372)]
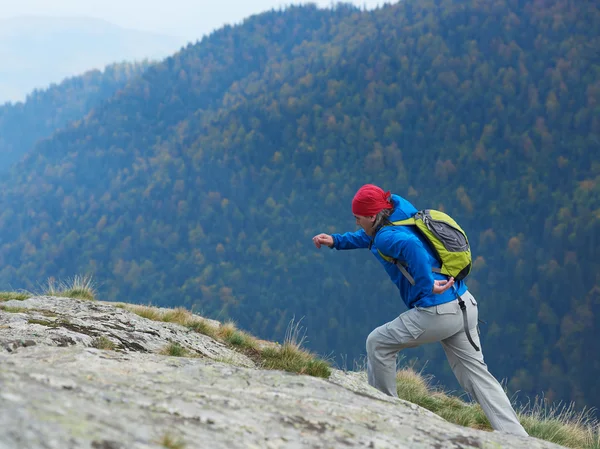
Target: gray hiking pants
[(443, 323)]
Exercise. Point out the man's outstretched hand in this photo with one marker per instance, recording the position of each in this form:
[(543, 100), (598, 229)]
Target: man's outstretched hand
[(442, 286), (323, 239)]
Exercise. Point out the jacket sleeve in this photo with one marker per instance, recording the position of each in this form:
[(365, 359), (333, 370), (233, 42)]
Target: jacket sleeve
[(351, 240), (404, 246)]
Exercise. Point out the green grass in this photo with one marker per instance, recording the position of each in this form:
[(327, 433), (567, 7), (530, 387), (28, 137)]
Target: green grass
[(103, 342), (236, 338), (10, 309), (17, 296), (560, 425), (291, 357), (43, 322), (295, 360), (175, 350)]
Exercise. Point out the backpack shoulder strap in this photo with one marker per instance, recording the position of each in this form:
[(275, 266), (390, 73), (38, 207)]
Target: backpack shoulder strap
[(408, 221)]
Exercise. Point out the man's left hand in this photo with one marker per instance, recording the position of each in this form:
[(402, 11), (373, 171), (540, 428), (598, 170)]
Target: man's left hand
[(442, 286)]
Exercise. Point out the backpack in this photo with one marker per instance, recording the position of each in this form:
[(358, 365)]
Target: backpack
[(451, 246), (446, 237)]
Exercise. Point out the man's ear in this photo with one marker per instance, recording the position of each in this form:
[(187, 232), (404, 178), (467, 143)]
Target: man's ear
[(372, 218)]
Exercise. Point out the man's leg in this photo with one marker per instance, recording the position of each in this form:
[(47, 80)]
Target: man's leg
[(413, 328), (472, 374), (382, 348)]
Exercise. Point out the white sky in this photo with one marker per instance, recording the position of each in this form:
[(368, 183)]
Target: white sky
[(189, 19)]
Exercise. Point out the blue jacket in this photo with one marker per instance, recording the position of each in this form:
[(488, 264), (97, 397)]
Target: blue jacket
[(404, 243)]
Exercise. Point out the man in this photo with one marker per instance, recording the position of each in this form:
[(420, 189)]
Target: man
[(433, 310)]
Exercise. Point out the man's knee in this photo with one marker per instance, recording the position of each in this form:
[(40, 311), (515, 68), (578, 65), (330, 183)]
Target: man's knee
[(373, 342)]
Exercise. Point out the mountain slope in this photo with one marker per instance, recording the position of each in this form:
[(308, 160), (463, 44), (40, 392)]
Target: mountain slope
[(59, 391), (201, 184), (46, 111)]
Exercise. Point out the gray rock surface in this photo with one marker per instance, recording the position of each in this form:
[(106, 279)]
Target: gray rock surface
[(58, 392), (65, 322)]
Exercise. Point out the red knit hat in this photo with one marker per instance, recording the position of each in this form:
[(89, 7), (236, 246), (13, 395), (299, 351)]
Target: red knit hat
[(370, 200)]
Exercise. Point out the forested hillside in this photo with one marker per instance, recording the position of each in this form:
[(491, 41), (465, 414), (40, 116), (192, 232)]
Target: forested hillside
[(47, 110), (202, 183)]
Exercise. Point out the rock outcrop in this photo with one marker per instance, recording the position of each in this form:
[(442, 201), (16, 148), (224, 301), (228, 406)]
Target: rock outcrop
[(58, 391)]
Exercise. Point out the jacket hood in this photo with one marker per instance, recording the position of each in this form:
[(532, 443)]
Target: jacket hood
[(403, 209)]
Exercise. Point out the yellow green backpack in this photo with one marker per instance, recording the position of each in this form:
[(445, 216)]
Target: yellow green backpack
[(446, 237)]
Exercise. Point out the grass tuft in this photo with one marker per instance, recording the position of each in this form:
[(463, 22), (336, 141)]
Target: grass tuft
[(43, 322), (9, 309), (293, 359), (103, 342), (169, 441), (17, 296), (561, 424), (150, 313), (175, 350), (240, 340), (230, 334), (415, 388), (180, 315), (79, 287), (203, 327), (295, 334)]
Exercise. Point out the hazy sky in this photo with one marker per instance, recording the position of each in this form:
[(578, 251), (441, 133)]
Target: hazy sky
[(190, 19)]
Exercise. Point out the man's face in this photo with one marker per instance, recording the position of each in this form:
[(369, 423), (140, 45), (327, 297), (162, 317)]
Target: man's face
[(365, 222)]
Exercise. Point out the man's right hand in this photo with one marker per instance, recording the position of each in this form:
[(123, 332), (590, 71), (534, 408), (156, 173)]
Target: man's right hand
[(323, 239)]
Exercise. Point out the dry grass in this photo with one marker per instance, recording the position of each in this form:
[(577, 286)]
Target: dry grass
[(415, 388), (288, 357), (80, 287), (292, 357), (170, 441), (560, 425), (226, 332), (204, 327)]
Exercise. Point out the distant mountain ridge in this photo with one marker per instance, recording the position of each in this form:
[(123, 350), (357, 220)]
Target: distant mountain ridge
[(37, 51)]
